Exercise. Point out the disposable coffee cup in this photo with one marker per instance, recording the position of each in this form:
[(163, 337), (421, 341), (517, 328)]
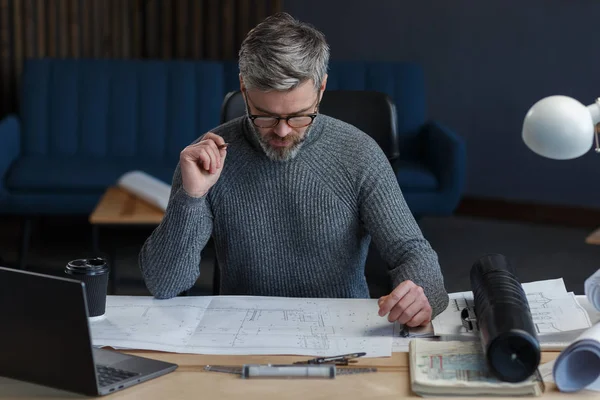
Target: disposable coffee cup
[(94, 273)]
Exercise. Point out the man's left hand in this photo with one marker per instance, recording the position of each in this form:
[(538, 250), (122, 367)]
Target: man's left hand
[(406, 304)]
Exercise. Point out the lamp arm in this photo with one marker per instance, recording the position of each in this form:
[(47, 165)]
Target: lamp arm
[(594, 110)]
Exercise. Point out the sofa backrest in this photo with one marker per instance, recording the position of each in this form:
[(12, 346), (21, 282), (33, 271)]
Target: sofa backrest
[(119, 108), (153, 109)]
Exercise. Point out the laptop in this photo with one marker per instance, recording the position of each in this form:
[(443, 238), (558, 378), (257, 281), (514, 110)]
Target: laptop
[(45, 338)]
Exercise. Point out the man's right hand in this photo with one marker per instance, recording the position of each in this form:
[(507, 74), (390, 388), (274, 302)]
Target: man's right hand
[(201, 164)]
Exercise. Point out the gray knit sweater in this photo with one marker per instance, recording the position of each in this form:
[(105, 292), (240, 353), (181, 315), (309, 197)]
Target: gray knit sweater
[(298, 228)]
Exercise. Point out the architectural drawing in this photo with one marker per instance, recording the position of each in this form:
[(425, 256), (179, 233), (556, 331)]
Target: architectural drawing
[(324, 327), (245, 325)]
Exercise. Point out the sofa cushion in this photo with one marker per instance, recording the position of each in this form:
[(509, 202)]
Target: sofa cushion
[(79, 173), (414, 176)]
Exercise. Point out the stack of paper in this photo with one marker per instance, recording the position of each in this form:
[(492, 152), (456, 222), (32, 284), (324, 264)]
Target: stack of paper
[(456, 368)]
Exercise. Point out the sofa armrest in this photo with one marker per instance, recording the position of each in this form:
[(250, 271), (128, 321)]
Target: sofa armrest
[(10, 145), (445, 155)]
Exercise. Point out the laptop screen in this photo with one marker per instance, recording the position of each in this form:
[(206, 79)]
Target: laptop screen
[(44, 333)]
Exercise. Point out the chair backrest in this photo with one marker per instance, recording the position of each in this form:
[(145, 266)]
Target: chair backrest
[(233, 106), (372, 112), (403, 81)]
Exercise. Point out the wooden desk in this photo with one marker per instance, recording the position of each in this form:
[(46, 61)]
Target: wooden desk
[(594, 237), (190, 381)]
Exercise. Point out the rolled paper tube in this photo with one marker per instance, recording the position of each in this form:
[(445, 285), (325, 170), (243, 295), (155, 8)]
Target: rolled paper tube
[(578, 366), (592, 289)]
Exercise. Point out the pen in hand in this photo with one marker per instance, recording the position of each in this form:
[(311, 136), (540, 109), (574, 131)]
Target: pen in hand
[(220, 147)]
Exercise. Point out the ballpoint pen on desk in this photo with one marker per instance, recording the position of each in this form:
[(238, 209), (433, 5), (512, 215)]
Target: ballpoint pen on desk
[(417, 331), (342, 359)]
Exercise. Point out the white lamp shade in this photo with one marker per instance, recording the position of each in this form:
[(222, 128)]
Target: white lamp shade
[(559, 127)]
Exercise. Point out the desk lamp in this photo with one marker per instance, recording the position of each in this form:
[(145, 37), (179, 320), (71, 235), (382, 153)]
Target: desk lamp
[(561, 128)]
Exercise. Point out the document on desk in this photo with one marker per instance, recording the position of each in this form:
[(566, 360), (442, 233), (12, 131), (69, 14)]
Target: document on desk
[(456, 368), (143, 322), (245, 325), (556, 313)]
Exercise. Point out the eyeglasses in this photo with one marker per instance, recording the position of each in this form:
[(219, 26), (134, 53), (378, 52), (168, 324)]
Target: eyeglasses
[(293, 121)]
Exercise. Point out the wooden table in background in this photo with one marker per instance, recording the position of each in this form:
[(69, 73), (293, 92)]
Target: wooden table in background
[(120, 209), (190, 381), (594, 237), (118, 206)]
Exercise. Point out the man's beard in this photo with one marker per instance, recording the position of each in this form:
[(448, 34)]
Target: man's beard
[(280, 153)]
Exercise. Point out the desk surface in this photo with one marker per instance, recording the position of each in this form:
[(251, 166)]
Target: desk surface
[(117, 207), (190, 381)]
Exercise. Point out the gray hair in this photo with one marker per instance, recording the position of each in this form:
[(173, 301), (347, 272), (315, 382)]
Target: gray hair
[(281, 53)]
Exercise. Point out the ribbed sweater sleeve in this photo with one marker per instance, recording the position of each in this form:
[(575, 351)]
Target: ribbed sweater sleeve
[(395, 232), (170, 257)]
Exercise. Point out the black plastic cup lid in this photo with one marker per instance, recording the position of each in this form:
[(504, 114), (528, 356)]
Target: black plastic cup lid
[(87, 266)]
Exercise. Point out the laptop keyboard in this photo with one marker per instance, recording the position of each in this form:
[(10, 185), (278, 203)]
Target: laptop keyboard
[(108, 375)]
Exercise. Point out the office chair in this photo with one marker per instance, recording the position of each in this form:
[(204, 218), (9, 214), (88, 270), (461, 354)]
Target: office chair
[(372, 112)]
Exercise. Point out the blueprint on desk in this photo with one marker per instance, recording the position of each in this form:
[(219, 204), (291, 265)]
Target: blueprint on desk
[(556, 313), (244, 325)]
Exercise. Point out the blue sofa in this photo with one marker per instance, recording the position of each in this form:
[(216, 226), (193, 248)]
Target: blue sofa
[(83, 123)]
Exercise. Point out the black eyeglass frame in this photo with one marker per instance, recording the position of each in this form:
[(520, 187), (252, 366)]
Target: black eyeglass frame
[(253, 117)]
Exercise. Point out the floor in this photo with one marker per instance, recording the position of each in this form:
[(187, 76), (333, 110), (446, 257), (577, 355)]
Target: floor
[(537, 251)]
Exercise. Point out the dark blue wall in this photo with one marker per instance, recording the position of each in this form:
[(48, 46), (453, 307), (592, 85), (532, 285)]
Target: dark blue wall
[(486, 63)]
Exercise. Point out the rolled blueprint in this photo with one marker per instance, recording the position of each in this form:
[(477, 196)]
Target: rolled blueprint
[(592, 289), (147, 187), (578, 366)]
